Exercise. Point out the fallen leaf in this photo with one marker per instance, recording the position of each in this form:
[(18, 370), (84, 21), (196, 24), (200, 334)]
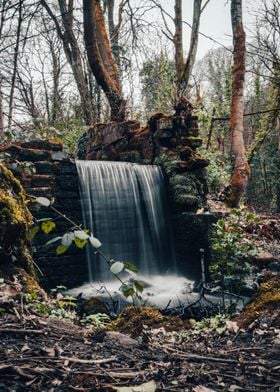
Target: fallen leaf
[(146, 387), (232, 326), (201, 388)]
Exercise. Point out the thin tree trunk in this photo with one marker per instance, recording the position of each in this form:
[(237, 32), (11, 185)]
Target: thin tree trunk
[(15, 64), (1, 112), (72, 53), (239, 179), (210, 130), (185, 77), (101, 59), (178, 40)]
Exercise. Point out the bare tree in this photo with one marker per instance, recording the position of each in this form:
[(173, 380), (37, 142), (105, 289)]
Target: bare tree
[(239, 179), (101, 59), (72, 51), (15, 61)]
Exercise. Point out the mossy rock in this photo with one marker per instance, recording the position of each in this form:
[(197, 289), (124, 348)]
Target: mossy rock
[(15, 220), (265, 304), (133, 319), (187, 202)]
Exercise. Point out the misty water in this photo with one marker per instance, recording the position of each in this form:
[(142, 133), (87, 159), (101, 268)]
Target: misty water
[(125, 205)]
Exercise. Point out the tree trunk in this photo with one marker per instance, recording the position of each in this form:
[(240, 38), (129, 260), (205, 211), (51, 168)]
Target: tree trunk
[(186, 74), (101, 59), (72, 53), (1, 112), (239, 179), (178, 40)]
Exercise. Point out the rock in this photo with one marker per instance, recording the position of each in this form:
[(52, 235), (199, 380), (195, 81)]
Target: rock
[(187, 202), (274, 266), (92, 305), (43, 167), (264, 259), (185, 152), (34, 155), (59, 156), (42, 145), (65, 167), (193, 142), (165, 123), (120, 338), (191, 164), (42, 180), (164, 134)]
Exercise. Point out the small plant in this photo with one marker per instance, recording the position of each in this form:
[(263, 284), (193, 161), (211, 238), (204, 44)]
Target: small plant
[(99, 320), (218, 171), (230, 250)]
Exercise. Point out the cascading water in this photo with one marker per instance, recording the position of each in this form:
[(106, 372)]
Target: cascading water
[(125, 206)]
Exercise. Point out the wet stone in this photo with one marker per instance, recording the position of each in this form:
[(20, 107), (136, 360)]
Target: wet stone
[(43, 167), (42, 180), (34, 155), (42, 145), (65, 167)]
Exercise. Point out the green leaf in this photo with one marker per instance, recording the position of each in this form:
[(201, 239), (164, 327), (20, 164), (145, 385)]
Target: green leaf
[(61, 249), (250, 217), (34, 231), (127, 290), (117, 267), (80, 243), (139, 286), (130, 267), (136, 300), (47, 226)]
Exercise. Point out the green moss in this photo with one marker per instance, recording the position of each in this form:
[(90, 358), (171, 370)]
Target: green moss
[(265, 303), (131, 156), (133, 319), (15, 219)]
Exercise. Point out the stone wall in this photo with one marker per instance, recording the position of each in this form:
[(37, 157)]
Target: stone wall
[(168, 141), (55, 178)]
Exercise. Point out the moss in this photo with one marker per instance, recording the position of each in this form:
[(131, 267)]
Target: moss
[(133, 319), (265, 303), (15, 220), (131, 156)]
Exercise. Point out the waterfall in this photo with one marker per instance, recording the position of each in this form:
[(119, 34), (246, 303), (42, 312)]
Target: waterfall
[(125, 206)]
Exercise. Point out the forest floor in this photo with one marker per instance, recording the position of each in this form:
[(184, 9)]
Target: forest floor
[(47, 354)]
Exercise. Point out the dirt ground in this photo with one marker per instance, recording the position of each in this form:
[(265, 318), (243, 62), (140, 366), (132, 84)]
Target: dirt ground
[(47, 354)]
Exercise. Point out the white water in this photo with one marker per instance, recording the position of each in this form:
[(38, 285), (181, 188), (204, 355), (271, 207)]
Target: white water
[(125, 206), (160, 291)]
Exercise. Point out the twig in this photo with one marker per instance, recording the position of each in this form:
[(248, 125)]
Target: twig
[(15, 330)]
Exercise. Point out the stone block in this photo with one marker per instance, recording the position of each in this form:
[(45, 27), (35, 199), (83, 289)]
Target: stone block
[(185, 152), (65, 167), (59, 156), (43, 167), (34, 155), (165, 123), (193, 132), (43, 145), (66, 181), (42, 180), (164, 134), (40, 191), (193, 142)]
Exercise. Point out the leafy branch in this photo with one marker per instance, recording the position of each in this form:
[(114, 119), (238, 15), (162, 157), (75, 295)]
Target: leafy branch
[(81, 237)]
